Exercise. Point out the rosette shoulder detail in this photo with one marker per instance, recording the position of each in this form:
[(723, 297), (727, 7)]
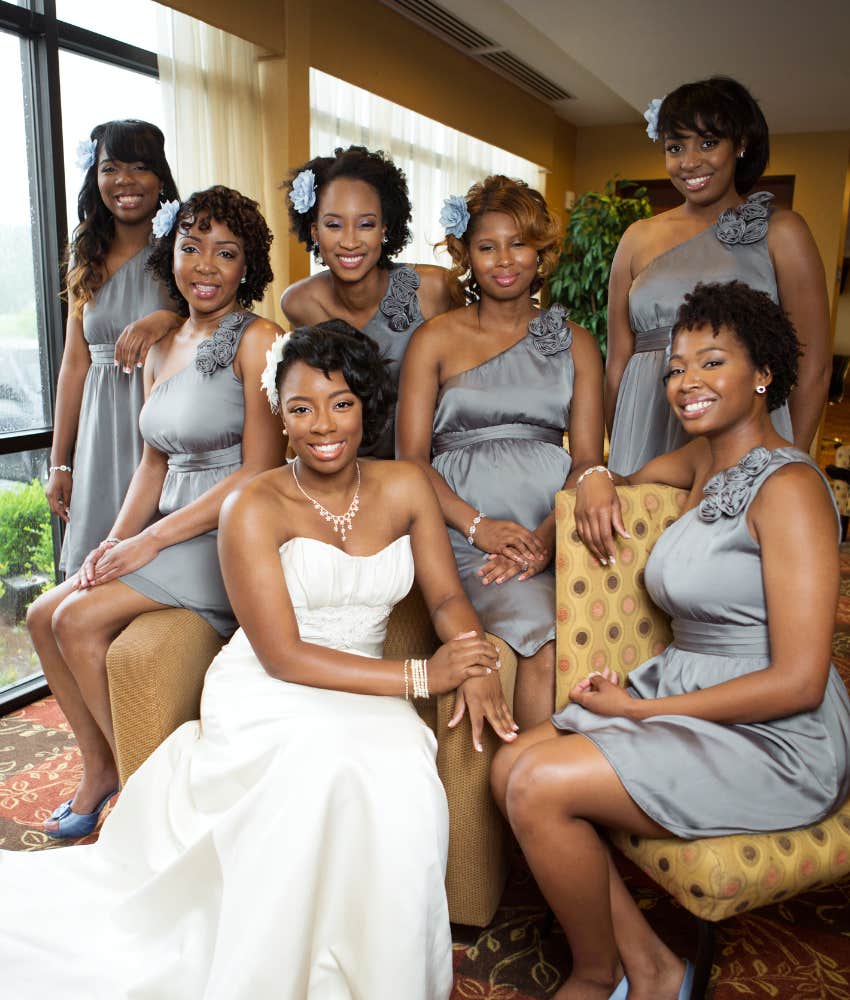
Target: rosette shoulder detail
[(745, 223), (399, 305), (727, 492), (219, 350), (550, 331)]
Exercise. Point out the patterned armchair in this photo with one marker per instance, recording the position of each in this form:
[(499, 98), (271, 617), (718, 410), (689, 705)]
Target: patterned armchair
[(606, 618), (156, 670)]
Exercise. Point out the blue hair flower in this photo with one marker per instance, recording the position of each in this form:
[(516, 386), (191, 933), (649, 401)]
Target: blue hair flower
[(163, 221), (651, 116), (454, 215), (303, 193), (86, 154)]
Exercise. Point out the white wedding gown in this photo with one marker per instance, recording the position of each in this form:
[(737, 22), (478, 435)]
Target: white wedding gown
[(290, 845)]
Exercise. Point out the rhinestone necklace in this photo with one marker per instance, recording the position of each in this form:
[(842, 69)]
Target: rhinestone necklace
[(341, 522)]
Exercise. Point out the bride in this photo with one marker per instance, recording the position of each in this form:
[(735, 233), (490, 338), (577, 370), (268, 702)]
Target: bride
[(292, 844)]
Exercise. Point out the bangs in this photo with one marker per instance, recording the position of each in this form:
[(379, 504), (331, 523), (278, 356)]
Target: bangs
[(134, 142), (701, 109)]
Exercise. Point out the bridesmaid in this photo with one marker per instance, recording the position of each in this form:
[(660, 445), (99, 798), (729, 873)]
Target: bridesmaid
[(716, 148), (741, 724), (207, 430), (352, 210), (486, 394), (108, 286)]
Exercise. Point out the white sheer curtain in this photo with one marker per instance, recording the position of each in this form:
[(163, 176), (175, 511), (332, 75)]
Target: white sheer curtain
[(437, 160), (211, 94)]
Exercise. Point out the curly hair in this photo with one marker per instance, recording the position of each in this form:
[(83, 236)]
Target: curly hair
[(724, 108), (759, 324), (527, 208), (129, 141), (242, 217), (360, 164), (336, 346)]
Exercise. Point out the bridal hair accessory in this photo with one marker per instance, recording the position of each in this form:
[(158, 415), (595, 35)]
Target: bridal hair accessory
[(651, 116), (268, 380), (86, 154), (419, 674), (341, 522), (303, 193), (454, 215), (163, 221)]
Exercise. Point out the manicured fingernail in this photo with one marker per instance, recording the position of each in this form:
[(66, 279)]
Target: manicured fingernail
[(140, 364), (626, 534), (603, 562), (479, 748), (126, 370), (489, 671), (612, 561)]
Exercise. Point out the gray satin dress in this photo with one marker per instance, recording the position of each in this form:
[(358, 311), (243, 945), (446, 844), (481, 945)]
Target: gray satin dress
[(735, 247), (109, 445), (196, 418), (498, 443), (392, 326), (699, 778)]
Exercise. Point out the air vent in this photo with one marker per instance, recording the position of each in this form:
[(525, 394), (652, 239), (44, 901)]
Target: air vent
[(462, 36)]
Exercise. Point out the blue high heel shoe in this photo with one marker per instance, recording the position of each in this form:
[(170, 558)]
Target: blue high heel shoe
[(622, 990), (73, 825)]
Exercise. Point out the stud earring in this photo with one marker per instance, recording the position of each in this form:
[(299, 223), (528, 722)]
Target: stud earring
[(761, 389), (741, 154), (243, 279), (386, 239)]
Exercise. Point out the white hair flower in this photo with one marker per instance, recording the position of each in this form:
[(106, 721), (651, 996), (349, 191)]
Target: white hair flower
[(268, 383), (86, 154), (651, 116), (163, 221), (303, 193)]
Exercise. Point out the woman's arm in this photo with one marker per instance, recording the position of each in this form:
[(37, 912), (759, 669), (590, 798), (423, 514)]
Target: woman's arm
[(262, 448), (417, 394), (76, 362), (794, 524), (621, 339), (802, 293), (137, 338)]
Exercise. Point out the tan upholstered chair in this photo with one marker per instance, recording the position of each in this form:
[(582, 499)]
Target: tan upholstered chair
[(156, 672), (606, 618)]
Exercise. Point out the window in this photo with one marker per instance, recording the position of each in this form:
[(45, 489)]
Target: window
[(437, 160), (64, 67)]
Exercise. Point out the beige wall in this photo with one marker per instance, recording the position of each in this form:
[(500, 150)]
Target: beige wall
[(818, 160)]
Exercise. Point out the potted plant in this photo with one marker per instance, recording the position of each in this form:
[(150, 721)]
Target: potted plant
[(597, 222), (26, 546)]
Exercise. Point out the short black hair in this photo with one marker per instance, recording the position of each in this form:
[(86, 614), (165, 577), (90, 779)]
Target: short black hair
[(337, 346), (242, 217), (759, 323), (359, 164), (724, 108)]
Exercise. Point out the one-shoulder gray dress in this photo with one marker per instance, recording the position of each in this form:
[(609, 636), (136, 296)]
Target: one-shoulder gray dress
[(392, 326), (735, 247), (109, 445), (699, 778), (196, 417), (498, 443)]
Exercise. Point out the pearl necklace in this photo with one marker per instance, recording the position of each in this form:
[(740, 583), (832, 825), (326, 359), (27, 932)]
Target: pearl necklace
[(341, 522)]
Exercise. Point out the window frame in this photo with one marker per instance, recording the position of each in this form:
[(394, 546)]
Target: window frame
[(45, 35)]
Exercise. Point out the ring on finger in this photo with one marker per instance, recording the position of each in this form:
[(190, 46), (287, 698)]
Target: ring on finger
[(524, 565)]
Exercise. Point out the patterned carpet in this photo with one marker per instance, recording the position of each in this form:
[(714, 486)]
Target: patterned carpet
[(797, 950)]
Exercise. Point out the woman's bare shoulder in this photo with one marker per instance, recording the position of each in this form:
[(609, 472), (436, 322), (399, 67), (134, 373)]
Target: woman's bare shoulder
[(304, 302)]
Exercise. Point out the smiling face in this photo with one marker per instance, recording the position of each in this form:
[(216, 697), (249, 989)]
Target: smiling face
[(701, 167), (322, 417), (130, 191), (349, 227), (503, 262), (208, 266), (711, 380)]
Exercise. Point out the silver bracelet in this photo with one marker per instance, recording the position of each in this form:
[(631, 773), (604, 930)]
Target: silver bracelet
[(111, 541), (590, 471), (59, 468), (470, 532)]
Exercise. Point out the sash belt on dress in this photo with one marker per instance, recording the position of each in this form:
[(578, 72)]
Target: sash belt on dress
[(451, 440), (720, 639), (652, 340), (189, 462), (102, 354)]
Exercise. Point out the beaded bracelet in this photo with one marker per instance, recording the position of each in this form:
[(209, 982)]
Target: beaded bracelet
[(406, 681), (590, 471), (419, 674), (470, 533), (59, 468), (111, 541)]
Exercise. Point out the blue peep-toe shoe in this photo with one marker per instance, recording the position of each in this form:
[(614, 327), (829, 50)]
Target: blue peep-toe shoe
[(74, 825), (622, 990)]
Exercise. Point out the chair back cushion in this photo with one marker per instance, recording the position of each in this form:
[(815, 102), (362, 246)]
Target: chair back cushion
[(605, 617)]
